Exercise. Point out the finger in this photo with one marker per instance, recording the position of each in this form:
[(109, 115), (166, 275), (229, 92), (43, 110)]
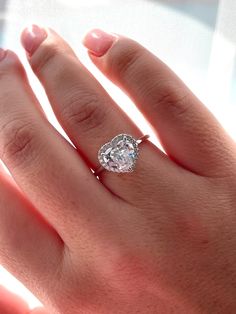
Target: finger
[(80, 103), (188, 131), (43, 163), (87, 113), (29, 247), (11, 303)]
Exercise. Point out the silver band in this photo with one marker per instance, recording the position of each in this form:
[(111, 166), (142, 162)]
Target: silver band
[(142, 138), (137, 142)]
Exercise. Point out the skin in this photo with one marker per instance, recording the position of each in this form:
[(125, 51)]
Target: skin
[(159, 240)]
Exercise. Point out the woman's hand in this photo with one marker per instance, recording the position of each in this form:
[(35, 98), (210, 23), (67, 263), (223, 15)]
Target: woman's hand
[(161, 239)]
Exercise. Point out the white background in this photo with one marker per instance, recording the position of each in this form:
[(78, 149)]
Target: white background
[(196, 38)]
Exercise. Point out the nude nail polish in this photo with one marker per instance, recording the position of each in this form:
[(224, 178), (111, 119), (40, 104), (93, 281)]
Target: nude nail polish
[(99, 42), (32, 37)]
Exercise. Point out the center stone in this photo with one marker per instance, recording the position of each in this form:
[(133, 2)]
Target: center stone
[(120, 154)]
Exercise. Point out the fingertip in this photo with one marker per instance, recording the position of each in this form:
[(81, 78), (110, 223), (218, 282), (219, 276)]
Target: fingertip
[(32, 37), (99, 42)]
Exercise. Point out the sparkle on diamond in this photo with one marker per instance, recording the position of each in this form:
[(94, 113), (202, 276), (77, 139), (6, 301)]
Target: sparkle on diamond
[(121, 157)]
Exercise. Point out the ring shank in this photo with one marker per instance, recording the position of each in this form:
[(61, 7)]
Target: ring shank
[(139, 141), (142, 138)]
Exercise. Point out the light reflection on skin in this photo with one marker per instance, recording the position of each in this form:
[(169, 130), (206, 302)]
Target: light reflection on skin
[(15, 286)]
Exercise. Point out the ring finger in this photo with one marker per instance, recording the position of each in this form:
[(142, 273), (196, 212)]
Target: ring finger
[(86, 112)]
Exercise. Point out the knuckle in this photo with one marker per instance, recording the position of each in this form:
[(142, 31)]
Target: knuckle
[(126, 63), (17, 140), (84, 111), (125, 270), (177, 101), (46, 58)]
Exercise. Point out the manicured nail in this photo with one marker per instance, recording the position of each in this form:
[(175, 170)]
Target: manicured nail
[(2, 54), (98, 42), (32, 37)]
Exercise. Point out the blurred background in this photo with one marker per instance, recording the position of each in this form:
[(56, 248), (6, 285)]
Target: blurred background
[(197, 39)]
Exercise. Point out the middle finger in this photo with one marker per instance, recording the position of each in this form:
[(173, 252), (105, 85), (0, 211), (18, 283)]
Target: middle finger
[(84, 109)]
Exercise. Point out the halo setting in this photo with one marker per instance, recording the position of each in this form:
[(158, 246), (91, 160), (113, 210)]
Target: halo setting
[(120, 154)]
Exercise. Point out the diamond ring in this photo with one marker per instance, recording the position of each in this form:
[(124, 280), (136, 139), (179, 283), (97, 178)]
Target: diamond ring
[(120, 154)]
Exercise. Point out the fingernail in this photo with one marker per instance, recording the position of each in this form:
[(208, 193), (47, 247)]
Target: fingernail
[(32, 37), (2, 54), (98, 42)]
